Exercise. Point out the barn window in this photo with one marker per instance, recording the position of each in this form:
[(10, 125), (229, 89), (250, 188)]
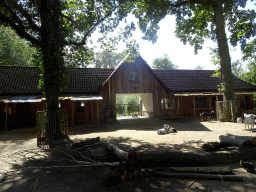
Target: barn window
[(134, 74), (80, 107), (200, 102), (168, 103), (214, 100)]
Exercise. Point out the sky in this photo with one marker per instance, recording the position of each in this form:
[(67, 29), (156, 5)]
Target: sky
[(167, 43)]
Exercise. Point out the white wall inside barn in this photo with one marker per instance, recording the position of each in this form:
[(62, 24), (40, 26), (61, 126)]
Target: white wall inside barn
[(146, 103)]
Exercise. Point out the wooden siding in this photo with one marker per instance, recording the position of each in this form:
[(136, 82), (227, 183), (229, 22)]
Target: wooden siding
[(120, 83)]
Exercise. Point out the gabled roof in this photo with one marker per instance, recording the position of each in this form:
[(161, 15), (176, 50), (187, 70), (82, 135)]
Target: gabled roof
[(15, 81), (140, 60), (197, 81), (24, 80)]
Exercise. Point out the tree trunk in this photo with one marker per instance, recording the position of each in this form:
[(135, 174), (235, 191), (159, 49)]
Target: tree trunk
[(226, 169), (235, 141), (249, 138), (225, 61), (201, 176), (52, 63), (127, 156)]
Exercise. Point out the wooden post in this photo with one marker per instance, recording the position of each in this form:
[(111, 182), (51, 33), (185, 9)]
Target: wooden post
[(194, 105), (178, 106), (6, 117), (97, 111), (244, 104), (210, 100), (109, 89), (73, 115)]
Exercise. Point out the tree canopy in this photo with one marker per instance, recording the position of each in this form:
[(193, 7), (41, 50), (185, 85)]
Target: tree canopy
[(14, 50), (200, 19), (58, 27), (163, 63), (107, 59)]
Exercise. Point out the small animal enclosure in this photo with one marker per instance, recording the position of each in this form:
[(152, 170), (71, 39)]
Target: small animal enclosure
[(41, 125), (227, 111)]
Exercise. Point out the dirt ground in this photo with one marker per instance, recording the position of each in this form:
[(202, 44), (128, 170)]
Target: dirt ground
[(24, 167)]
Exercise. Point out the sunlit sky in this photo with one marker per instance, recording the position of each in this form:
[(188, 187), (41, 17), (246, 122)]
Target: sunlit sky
[(180, 54)]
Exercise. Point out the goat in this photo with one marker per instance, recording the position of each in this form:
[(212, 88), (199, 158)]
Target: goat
[(205, 114), (135, 115), (248, 119), (164, 130)]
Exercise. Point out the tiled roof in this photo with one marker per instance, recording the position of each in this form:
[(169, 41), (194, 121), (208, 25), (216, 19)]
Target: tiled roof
[(188, 81), (24, 80), (16, 81), (19, 80), (83, 80)]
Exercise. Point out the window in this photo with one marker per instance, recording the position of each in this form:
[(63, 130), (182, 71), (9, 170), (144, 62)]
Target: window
[(200, 102), (80, 107), (168, 103), (134, 74), (214, 100)]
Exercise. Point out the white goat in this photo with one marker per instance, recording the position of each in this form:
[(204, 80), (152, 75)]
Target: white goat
[(164, 130), (248, 119)]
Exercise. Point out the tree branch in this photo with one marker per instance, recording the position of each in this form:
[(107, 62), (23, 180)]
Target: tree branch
[(20, 30), (91, 29), (17, 24)]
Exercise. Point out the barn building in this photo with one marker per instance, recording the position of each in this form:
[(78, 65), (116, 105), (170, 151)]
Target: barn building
[(90, 96)]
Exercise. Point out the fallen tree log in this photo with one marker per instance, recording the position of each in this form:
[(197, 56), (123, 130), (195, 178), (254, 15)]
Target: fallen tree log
[(224, 169), (201, 176), (234, 141), (86, 142), (124, 155), (249, 138)]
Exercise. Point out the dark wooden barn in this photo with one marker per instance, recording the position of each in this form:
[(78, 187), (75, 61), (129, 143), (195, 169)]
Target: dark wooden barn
[(91, 94)]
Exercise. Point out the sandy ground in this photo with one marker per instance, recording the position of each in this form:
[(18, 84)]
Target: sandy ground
[(18, 147)]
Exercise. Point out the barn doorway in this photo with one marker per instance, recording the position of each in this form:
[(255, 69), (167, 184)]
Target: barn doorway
[(134, 105)]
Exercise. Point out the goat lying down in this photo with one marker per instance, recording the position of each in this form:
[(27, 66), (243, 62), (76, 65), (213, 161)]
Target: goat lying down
[(166, 129), (248, 119), (205, 114)]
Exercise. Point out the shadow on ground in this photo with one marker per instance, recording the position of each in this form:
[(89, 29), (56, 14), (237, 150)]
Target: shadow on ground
[(63, 169), (149, 124)]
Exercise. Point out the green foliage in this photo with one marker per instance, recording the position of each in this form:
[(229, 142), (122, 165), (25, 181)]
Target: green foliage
[(127, 103), (199, 67), (163, 63), (250, 75), (14, 50), (237, 69), (107, 59)]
